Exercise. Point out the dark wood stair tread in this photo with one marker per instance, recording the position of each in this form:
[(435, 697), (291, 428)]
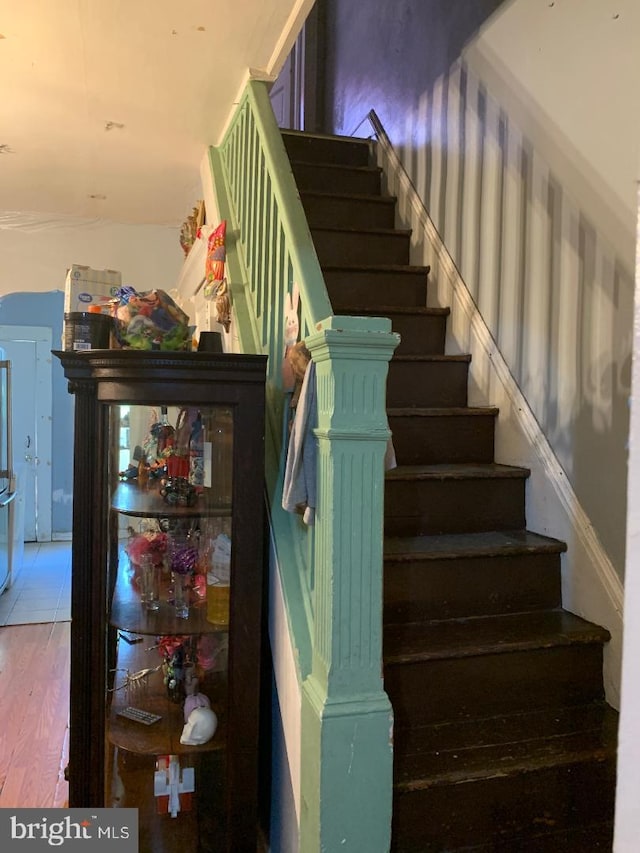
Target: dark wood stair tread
[(503, 729), (449, 359), (370, 232), (368, 197), (442, 411), (500, 746), (399, 310), (479, 635), (374, 268), (454, 545), (338, 167), (457, 471)]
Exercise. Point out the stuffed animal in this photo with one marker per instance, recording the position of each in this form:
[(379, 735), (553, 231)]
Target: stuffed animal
[(291, 331)]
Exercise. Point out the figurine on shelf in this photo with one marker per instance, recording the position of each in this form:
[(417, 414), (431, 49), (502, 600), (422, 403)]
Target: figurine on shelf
[(172, 649), (129, 473), (135, 683), (200, 727), (143, 472), (178, 491), (194, 699)]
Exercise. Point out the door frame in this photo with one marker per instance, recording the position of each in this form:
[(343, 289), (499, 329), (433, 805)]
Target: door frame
[(301, 78), (42, 337)]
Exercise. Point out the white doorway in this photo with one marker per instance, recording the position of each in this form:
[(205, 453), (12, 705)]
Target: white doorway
[(28, 348)]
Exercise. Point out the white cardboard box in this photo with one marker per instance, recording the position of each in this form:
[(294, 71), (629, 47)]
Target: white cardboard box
[(85, 287)]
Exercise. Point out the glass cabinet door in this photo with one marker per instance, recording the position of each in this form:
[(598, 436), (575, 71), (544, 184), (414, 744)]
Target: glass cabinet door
[(170, 583)]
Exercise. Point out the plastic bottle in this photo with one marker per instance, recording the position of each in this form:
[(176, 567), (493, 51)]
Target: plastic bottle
[(143, 472), (196, 457), (218, 581), (221, 456), (165, 431)]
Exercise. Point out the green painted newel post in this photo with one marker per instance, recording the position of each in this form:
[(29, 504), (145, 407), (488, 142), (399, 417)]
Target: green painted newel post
[(347, 753)]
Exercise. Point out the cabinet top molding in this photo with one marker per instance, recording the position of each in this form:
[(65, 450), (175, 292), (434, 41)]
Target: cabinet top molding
[(191, 378)]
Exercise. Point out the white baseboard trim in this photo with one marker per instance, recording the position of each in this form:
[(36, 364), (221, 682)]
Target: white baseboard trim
[(591, 587)]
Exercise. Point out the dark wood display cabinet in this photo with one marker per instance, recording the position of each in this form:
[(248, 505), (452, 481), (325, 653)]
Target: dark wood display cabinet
[(167, 593)]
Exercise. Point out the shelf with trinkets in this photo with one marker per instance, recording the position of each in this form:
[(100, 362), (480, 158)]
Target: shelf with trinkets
[(165, 689), (148, 634)]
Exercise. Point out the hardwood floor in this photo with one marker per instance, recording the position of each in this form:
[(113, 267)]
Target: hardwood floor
[(34, 714)]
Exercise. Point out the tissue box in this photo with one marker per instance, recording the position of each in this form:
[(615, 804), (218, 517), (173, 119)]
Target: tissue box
[(85, 287)]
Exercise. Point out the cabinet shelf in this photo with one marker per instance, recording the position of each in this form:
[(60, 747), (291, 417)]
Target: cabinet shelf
[(150, 694), (129, 499), (129, 614)]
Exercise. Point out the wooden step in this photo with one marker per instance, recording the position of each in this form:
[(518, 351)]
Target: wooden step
[(546, 774), (380, 284), (422, 330), (473, 574), (446, 752), (333, 177), (323, 148), (438, 381), (361, 246), (431, 435), (430, 499), (460, 669), (333, 210), (462, 761)]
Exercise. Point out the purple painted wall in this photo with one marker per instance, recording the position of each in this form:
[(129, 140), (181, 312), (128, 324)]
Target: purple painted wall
[(383, 54)]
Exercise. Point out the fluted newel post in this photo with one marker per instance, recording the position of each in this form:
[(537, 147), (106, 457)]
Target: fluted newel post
[(347, 752)]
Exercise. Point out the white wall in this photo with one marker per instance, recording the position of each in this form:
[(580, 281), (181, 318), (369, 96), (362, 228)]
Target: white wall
[(37, 249), (527, 168), (567, 72), (35, 252), (627, 823)]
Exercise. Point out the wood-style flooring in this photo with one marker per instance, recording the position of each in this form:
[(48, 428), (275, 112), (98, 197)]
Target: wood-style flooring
[(34, 715)]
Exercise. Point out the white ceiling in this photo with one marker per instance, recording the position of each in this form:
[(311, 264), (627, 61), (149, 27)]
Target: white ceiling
[(107, 106)]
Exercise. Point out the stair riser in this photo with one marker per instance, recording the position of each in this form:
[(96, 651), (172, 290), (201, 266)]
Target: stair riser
[(369, 287), (430, 440), (420, 335), (594, 837), (336, 212), (492, 811), (310, 149), (420, 590), (490, 684), (421, 384), (430, 752), (359, 247), (423, 507), (332, 179)]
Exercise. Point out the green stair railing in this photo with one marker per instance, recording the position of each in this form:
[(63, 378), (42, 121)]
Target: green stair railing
[(269, 251), (331, 574)]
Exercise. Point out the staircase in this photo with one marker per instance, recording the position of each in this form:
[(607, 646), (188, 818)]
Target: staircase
[(502, 738)]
